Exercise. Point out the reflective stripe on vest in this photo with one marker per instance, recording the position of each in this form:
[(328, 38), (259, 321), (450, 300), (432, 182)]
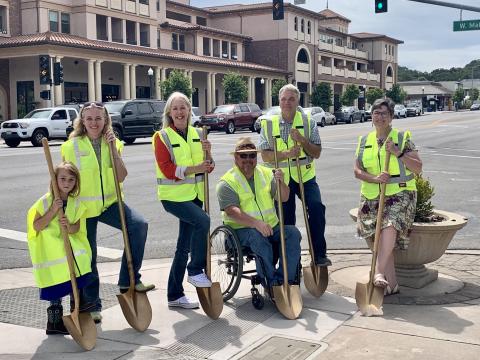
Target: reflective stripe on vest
[(400, 177), (192, 185), (47, 249), (259, 205)]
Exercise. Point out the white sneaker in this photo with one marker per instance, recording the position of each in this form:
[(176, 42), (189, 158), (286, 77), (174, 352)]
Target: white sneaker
[(199, 280), (184, 302)]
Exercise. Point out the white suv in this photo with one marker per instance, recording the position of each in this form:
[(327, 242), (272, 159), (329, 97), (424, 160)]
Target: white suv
[(50, 123)]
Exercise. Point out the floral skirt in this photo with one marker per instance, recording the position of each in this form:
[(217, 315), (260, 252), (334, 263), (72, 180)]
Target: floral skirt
[(399, 212)]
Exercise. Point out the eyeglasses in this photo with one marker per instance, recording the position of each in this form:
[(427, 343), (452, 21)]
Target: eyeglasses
[(380, 113), (248, 156)]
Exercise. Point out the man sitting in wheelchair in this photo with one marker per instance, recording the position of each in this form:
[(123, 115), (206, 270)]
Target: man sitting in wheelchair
[(246, 196)]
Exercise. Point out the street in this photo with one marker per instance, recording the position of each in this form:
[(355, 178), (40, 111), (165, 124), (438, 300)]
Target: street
[(447, 142)]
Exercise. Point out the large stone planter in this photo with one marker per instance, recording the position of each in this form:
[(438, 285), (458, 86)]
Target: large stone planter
[(428, 242)]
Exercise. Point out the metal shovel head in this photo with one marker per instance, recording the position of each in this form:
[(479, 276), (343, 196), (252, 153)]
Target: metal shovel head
[(136, 309), (85, 334), (211, 300), (288, 299), (369, 307), (315, 279)]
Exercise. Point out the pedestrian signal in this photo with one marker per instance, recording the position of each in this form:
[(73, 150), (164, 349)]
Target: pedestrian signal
[(381, 6), (44, 62), (57, 73), (277, 9)]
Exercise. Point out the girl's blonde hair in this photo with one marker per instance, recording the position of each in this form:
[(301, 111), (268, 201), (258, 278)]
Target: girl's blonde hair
[(167, 119), (78, 125), (72, 170)]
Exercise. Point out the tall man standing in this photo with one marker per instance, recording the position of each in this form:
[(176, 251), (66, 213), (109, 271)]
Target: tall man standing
[(297, 135)]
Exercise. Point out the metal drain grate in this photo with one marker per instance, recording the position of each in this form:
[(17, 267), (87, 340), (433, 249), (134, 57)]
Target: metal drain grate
[(217, 334), (280, 348), (22, 306)]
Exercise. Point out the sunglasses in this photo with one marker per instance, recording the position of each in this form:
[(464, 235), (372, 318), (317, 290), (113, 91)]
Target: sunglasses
[(248, 156), (90, 104)]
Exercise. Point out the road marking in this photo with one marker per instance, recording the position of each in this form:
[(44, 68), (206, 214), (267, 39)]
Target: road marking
[(21, 236), (459, 156)]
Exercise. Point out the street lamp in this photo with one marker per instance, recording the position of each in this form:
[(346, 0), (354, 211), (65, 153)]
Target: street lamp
[(150, 77), (423, 95)]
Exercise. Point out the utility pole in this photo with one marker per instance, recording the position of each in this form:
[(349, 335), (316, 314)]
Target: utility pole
[(448, 4)]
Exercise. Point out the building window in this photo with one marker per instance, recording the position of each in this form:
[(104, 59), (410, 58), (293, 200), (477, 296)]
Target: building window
[(144, 2), (309, 27), (233, 51), (178, 42), (393, 50), (302, 57), (216, 48), (295, 24), (206, 46), (302, 26), (65, 23), (177, 16), (225, 49), (53, 18), (201, 21), (158, 39), (338, 42), (3, 20), (158, 5), (385, 49), (102, 27)]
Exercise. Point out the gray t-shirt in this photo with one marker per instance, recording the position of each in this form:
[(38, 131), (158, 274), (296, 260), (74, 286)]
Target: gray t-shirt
[(228, 197), (97, 147)]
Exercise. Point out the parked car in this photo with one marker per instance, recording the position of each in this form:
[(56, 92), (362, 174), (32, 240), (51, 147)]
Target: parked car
[(330, 118), (400, 111), (318, 114), (368, 114), (475, 106), (274, 110), (232, 117), (414, 109), (195, 116), (349, 114), (50, 123)]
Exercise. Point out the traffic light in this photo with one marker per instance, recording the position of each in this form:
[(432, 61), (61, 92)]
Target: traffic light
[(44, 62), (277, 9), (381, 6), (57, 73), (45, 94)]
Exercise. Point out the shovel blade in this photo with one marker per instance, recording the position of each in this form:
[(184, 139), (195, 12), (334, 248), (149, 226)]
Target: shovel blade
[(136, 308), (288, 299), (315, 279), (369, 307), (211, 300), (83, 331)]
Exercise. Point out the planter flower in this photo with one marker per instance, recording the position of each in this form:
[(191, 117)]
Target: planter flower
[(431, 233)]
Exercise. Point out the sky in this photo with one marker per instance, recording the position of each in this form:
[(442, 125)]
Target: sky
[(427, 30)]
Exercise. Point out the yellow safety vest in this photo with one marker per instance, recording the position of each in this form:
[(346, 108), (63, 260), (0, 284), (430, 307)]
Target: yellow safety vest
[(183, 153), (301, 122), (372, 159), (97, 189), (46, 247), (259, 205)]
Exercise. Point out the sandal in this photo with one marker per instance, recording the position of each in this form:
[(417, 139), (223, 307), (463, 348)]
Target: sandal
[(380, 281), (389, 291)]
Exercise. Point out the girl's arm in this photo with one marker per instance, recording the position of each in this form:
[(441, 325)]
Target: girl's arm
[(73, 228), (42, 221)]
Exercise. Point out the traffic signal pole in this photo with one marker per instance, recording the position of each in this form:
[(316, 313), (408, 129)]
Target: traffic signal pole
[(52, 92), (448, 4)]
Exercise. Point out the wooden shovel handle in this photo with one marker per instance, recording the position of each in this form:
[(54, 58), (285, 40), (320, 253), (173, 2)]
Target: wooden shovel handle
[(206, 203)]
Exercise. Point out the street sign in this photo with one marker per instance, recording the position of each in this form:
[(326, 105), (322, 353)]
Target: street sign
[(466, 25)]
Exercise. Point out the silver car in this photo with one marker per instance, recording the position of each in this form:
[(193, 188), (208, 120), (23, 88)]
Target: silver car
[(319, 115)]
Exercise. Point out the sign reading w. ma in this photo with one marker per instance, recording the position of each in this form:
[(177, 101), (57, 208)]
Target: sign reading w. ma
[(466, 25)]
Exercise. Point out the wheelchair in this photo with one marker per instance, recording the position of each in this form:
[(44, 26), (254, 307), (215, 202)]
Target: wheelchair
[(228, 259)]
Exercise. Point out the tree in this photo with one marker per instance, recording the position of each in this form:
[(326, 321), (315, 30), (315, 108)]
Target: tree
[(475, 94), (176, 81), (322, 96), (276, 86), (350, 94), (235, 88), (396, 93), (374, 94), (458, 95)]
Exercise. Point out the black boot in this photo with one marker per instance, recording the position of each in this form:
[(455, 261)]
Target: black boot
[(55, 322)]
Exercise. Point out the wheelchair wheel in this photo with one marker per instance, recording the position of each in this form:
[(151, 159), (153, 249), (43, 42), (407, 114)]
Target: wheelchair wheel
[(227, 260)]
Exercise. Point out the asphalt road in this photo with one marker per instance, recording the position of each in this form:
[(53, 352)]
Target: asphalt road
[(448, 145)]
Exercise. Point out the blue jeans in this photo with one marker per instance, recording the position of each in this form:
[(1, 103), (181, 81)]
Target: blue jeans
[(262, 248), (315, 212), (137, 228), (192, 238)]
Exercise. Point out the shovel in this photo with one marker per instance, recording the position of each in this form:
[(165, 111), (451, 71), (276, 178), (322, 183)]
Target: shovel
[(315, 277), (80, 325), (210, 298), (135, 305), (369, 298), (288, 298)]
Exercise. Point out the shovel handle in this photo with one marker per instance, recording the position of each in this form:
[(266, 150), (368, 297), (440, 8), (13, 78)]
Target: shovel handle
[(206, 203), (121, 211), (64, 230)]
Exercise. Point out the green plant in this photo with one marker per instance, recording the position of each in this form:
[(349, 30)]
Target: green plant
[(374, 94), (235, 88), (322, 96), (276, 86), (425, 192), (176, 81), (350, 94)]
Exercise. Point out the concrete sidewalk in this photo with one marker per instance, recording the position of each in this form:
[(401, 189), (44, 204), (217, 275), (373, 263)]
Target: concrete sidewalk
[(440, 321)]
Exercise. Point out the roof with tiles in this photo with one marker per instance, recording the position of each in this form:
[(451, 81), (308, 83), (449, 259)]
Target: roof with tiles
[(166, 24), (50, 38), (329, 14), (367, 36)]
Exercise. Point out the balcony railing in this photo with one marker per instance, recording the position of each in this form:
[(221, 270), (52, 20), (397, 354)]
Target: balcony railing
[(342, 50)]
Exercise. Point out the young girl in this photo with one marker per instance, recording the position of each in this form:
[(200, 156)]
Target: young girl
[(46, 246)]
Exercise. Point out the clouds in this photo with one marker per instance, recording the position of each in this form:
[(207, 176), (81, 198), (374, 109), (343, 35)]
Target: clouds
[(427, 30)]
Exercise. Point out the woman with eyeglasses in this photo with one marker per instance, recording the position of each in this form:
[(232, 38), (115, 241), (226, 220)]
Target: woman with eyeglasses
[(180, 166), (88, 149), (401, 193)]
